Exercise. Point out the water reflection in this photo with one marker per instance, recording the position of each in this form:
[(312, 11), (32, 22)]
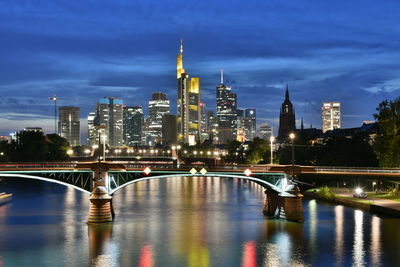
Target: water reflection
[(313, 222), (358, 247), (99, 245), (189, 222), (375, 246), (339, 234)]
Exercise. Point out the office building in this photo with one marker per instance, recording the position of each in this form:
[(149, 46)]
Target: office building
[(169, 133), (226, 113), (188, 104), (287, 118), (265, 132), (158, 107), (133, 121), (108, 120), (69, 124), (330, 116)]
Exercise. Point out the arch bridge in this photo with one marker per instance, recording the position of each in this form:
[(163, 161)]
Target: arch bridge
[(102, 179)]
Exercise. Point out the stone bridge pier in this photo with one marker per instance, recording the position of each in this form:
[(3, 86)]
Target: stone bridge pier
[(286, 205), (101, 208)]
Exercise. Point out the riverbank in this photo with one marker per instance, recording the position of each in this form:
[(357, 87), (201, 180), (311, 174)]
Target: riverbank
[(374, 205)]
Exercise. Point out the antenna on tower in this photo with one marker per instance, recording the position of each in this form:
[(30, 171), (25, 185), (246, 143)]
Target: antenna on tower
[(222, 76)]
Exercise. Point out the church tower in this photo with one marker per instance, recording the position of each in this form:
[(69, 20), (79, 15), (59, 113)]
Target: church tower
[(287, 119)]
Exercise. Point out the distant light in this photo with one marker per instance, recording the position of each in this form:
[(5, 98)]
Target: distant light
[(193, 171), (247, 172), (203, 171), (292, 136), (272, 139), (69, 152)]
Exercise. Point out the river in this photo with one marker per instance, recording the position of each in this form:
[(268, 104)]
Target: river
[(193, 221)]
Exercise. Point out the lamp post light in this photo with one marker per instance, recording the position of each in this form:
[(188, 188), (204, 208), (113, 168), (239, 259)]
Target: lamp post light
[(272, 139), (292, 136)]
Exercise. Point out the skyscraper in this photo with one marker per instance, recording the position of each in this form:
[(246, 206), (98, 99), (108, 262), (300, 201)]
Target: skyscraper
[(250, 125), (226, 113), (203, 123), (169, 129), (212, 127), (158, 107), (109, 115), (69, 124), (188, 107), (265, 132), (287, 119), (331, 118), (133, 125), (92, 133)]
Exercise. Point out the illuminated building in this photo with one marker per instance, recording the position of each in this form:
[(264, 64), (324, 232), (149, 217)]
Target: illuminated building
[(69, 124), (287, 119), (109, 116), (246, 124), (265, 132), (92, 132), (212, 127), (204, 135), (158, 107), (226, 113), (133, 125), (330, 116), (188, 104)]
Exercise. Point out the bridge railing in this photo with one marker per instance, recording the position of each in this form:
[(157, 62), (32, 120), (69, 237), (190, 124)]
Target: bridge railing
[(356, 169), (35, 165)]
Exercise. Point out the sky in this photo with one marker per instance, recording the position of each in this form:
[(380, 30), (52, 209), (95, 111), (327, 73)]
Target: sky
[(345, 51)]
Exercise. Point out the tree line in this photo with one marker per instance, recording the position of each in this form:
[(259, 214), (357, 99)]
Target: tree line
[(33, 146)]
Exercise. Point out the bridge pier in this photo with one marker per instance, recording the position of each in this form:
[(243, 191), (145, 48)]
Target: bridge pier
[(287, 205), (101, 208)]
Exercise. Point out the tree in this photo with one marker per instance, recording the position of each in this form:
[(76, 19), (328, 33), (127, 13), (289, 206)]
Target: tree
[(352, 152), (258, 150), (236, 152), (30, 146), (58, 147), (387, 143)]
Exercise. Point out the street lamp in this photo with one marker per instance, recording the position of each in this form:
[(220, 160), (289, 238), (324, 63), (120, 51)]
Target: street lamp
[(272, 139), (292, 136)]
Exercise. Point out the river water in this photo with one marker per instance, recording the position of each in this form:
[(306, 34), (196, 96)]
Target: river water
[(194, 221)]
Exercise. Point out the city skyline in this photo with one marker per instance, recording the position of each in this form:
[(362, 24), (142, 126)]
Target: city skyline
[(351, 54)]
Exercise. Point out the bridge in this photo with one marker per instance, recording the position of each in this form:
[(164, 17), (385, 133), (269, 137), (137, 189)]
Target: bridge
[(102, 179)]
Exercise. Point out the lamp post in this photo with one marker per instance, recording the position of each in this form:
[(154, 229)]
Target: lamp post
[(272, 139), (292, 136)]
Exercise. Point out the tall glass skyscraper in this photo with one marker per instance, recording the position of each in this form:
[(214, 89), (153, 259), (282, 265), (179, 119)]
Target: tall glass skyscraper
[(331, 118), (226, 113), (109, 116), (158, 107), (133, 125), (69, 124), (188, 107)]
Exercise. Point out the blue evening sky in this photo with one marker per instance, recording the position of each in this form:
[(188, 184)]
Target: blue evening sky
[(346, 51)]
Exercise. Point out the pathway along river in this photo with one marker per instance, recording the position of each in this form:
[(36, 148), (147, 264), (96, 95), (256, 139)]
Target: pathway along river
[(186, 222)]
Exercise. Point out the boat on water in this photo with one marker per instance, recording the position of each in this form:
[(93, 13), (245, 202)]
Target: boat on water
[(5, 198)]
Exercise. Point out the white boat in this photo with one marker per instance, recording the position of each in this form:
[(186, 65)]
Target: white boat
[(5, 198)]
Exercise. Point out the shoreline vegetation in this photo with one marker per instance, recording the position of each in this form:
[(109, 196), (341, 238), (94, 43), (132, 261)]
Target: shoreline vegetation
[(326, 194)]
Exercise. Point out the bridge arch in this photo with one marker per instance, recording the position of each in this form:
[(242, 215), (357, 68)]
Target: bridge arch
[(276, 188), (34, 177)]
